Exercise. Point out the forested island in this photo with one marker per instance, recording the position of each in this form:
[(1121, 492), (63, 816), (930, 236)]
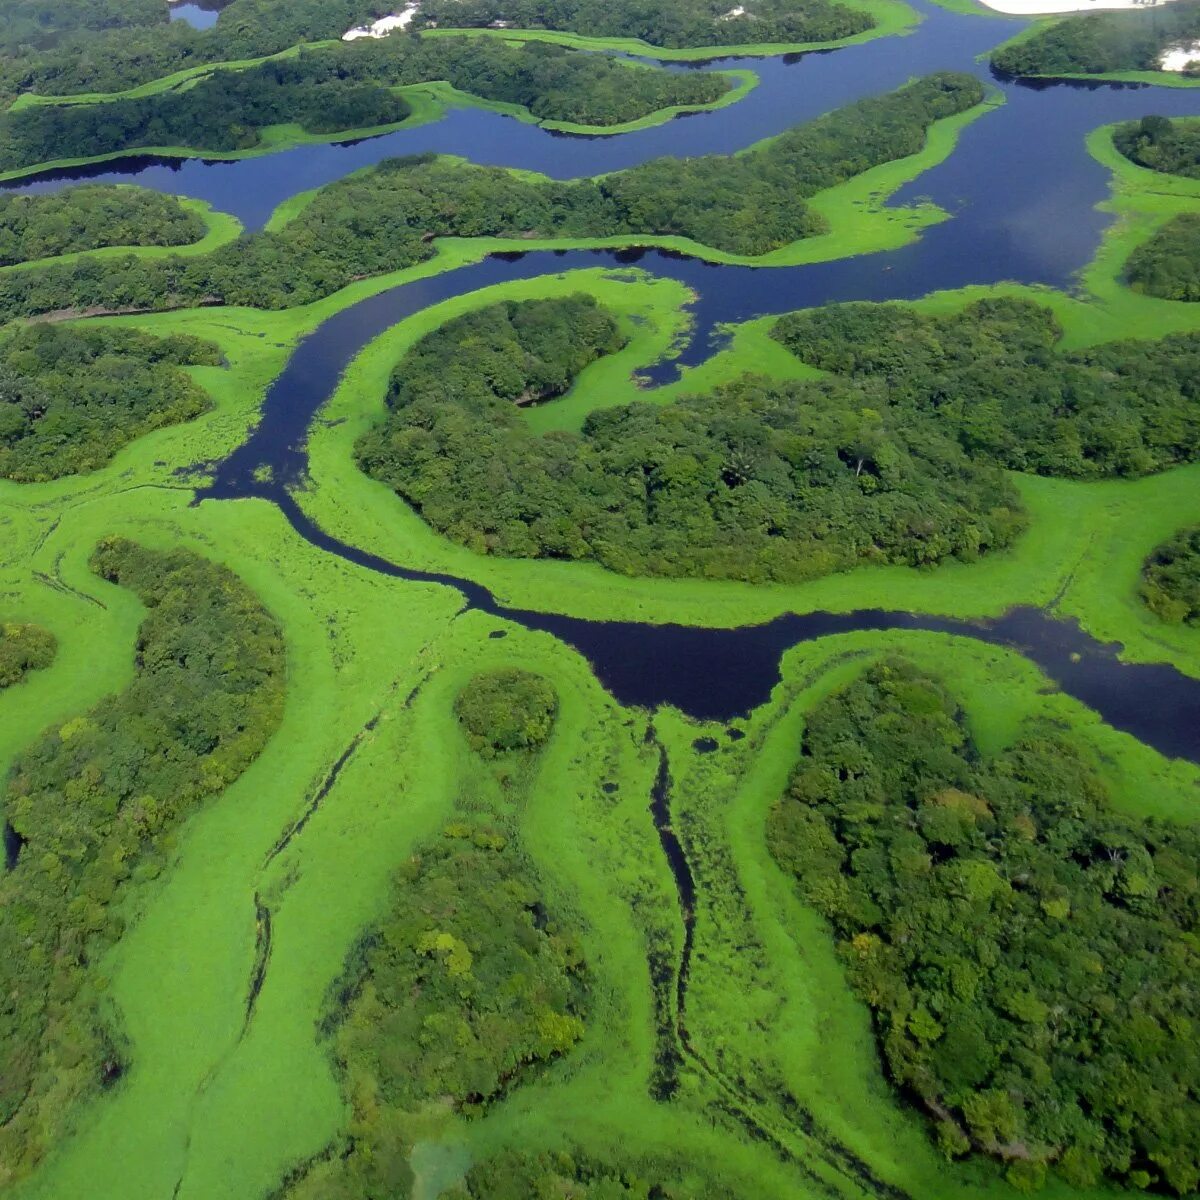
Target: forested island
[(72, 396), (993, 378), (1161, 144), (91, 217), (92, 806), (1026, 949), (349, 87), (1101, 43), (753, 482), (386, 218)]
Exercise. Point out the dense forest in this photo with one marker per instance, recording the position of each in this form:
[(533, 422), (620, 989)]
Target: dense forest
[(91, 217), (992, 377), (72, 396), (29, 24), (117, 58), (23, 648), (1096, 43), (1167, 264), (124, 58), (346, 87), (670, 23), (1171, 578), (385, 219), (1028, 953), (506, 710), (1161, 144), (93, 804), (753, 482)]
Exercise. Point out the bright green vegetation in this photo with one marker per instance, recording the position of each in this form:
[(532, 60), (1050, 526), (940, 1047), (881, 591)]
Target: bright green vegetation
[(1101, 43), (74, 395), (23, 648), (94, 803), (1161, 144), (386, 219), (670, 23), (1167, 264), (506, 710), (752, 482), (1026, 950), (993, 376), (350, 86), (1171, 578), (90, 217)]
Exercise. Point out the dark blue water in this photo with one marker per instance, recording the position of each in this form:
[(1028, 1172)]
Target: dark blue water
[(201, 14)]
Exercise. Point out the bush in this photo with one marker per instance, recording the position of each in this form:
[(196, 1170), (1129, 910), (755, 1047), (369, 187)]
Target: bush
[(1171, 579), (24, 648), (506, 710)]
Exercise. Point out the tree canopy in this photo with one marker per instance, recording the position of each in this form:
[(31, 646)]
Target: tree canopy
[(145, 47), (1167, 264), (994, 379), (468, 986), (93, 804), (72, 396), (1171, 578), (757, 481), (1161, 144), (670, 23), (1097, 43), (506, 710), (23, 648), (90, 217), (1028, 953)]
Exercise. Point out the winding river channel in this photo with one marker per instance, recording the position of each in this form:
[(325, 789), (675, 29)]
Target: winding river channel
[(1021, 190)]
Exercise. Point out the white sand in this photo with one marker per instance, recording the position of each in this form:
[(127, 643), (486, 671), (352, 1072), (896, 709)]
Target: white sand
[(383, 26), (734, 12), (1041, 8), (1178, 57)]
